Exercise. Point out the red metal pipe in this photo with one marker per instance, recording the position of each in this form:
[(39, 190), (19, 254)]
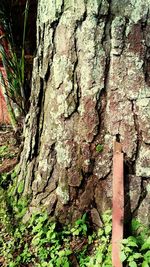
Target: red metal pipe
[(118, 205)]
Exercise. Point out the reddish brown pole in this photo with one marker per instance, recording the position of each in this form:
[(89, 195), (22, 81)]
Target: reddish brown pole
[(4, 115), (118, 205)]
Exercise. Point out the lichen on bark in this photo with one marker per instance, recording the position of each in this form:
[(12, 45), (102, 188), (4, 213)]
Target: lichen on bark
[(90, 83)]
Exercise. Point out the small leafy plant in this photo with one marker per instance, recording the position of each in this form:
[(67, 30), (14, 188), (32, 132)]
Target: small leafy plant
[(5, 153), (42, 242), (99, 148), (102, 250), (80, 227), (136, 248)]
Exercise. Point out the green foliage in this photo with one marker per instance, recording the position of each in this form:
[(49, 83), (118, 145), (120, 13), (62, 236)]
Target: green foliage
[(20, 187), (102, 250), (42, 242), (3, 150), (14, 64), (99, 148), (5, 153), (80, 227), (136, 248)]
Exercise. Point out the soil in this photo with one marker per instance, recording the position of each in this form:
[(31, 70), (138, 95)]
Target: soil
[(9, 149)]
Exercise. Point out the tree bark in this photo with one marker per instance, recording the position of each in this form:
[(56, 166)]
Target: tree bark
[(91, 83)]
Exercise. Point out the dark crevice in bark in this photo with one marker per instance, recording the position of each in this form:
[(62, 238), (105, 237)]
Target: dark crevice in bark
[(106, 43), (32, 178), (75, 79), (75, 73), (102, 97), (127, 201), (85, 192), (53, 155), (85, 176), (52, 212), (144, 22), (139, 137), (85, 2), (54, 27), (124, 34), (47, 75), (128, 213), (130, 168), (82, 187), (39, 108), (146, 66), (146, 59), (88, 173), (106, 176), (141, 197), (81, 20), (39, 105), (59, 14), (39, 35), (99, 15), (40, 116), (101, 102), (72, 203), (83, 183), (41, 42)]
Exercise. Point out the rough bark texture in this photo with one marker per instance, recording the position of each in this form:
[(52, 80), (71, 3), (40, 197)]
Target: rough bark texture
[(91, 83)]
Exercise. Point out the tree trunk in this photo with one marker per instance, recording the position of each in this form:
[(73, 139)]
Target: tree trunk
[(91, 84)]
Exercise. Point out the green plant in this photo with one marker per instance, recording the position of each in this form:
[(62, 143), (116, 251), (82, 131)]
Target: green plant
[(136, 248), (47, 241), (5, 153), (99, 148), (14, 65), (102, 250), (80, 227), (42, 242), (3, 150)]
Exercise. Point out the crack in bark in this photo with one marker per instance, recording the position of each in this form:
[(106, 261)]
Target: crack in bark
[(53, 153), (142, 196), (41, 97), (75, 79), (146, 59), (103, 93), (123, 34), (139, 138), (54, 25), (39, 108), (41, 42)]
